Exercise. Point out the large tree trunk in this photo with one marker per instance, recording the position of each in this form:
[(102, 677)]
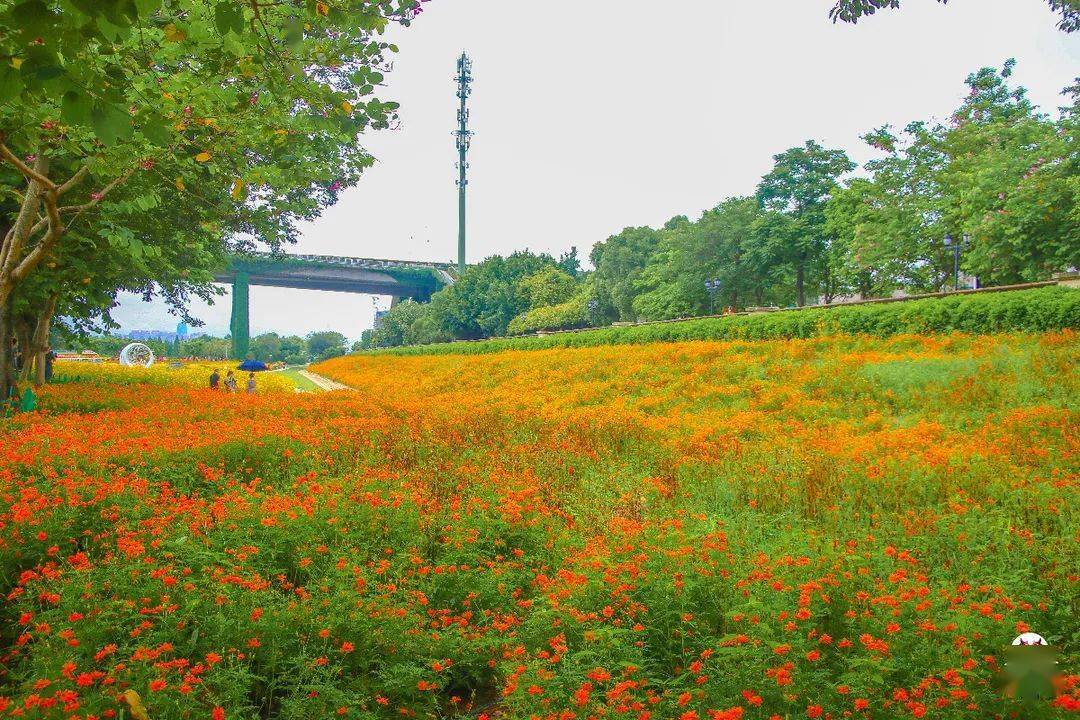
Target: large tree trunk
[(23, 334), (39, 342), (11, 255), (7, 351), (800, 284)]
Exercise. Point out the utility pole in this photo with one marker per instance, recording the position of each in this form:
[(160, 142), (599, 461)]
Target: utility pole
[(463, 135)]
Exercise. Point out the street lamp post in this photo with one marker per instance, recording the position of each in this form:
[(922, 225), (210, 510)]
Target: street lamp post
[(712, 287), (956, 248)]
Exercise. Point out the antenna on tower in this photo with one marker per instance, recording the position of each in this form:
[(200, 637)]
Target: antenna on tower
[(464, 137)]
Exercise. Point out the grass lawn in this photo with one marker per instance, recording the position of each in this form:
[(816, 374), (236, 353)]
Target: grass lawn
[(302, 383)]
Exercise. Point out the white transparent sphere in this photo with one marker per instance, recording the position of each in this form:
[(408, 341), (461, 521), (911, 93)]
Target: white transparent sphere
[(136, 355)]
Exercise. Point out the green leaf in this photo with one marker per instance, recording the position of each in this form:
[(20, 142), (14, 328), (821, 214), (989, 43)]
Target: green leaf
[(156, 130), (229, 17), (10, 82), (34, 19), (294, 31), (41, 63), (111, 124), (75, 108), (147, 8)]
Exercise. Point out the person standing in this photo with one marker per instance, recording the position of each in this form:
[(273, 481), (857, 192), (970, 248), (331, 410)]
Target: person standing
[(230, 381), (215, 379), (251, 384)]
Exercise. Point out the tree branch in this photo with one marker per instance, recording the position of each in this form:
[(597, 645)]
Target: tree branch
[(75, 180), (56, 226), (25, 169), (20, 230)]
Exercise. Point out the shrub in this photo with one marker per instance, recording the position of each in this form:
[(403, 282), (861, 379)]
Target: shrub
[(1035, 310), (570, 315)]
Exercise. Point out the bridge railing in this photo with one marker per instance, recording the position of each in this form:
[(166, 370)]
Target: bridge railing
[(374, 263)]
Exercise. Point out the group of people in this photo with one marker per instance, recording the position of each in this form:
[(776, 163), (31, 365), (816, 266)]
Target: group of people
[(230, 381)]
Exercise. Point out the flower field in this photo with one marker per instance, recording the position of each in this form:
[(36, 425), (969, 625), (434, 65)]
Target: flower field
[(189, 375), (827, 528)]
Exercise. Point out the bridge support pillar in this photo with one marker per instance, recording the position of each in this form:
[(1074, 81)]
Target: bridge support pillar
[(240, 324)]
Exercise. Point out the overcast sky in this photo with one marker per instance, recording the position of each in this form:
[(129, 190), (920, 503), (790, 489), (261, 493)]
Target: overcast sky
[(591, 117)]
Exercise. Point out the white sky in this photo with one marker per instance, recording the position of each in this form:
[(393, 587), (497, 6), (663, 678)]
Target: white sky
[(591, 117)]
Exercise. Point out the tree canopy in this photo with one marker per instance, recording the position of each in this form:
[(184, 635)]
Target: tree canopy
[(852, 11), (140, 139), (1000, 173)]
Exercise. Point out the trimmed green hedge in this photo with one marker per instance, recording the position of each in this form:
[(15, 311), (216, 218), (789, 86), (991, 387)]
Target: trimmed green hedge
[(1036, 310)]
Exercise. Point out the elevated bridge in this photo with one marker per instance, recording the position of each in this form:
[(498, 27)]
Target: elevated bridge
[(400, 279)]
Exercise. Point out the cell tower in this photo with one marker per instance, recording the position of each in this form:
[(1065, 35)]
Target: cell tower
[(464, 136)]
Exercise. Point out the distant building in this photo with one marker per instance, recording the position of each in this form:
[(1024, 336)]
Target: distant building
[(181, 333), (379, 315)]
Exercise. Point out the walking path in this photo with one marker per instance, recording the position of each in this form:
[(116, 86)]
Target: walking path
[(322, 382)]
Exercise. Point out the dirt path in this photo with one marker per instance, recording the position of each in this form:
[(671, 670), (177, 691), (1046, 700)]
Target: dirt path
[(322, 382)]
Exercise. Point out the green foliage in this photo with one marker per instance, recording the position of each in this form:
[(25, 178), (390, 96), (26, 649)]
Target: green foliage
[(396, 326), (851, 11), (1036, 310), (266, 348), (572, 314), (326, 344), (550, 285), (724, 245), (1000, 173), (165, 132), (620, 261), (206, 347), (796, 192), (488, 295)]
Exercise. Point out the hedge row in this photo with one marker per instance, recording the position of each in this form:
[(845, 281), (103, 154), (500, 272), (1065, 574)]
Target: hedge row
[(1035, 310)]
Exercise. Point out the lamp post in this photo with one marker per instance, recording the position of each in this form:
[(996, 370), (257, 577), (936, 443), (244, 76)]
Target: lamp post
[(956, 248), (712, 287)]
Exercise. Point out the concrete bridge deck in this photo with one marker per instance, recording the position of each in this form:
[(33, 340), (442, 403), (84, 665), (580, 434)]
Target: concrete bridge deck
[(371, 276)]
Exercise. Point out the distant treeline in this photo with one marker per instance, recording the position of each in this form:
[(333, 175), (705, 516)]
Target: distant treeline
[(269, 347), (1000, 178)]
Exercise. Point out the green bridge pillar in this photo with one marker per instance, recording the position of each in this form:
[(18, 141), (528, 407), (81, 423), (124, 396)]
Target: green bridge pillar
[(240, 325)]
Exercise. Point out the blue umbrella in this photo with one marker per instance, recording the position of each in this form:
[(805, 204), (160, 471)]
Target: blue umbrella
[(251, 366)]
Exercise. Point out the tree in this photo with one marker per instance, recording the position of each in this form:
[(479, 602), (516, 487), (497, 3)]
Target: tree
[(1011, 182), (266, 348), (326, 344), (796, 190), (241, 117), (719, 246), (294, 350), (570, 263), (394, 325), (206, 347), (550, 285), (487, 296), (1000, 173), (852, 10), (619, 262)]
